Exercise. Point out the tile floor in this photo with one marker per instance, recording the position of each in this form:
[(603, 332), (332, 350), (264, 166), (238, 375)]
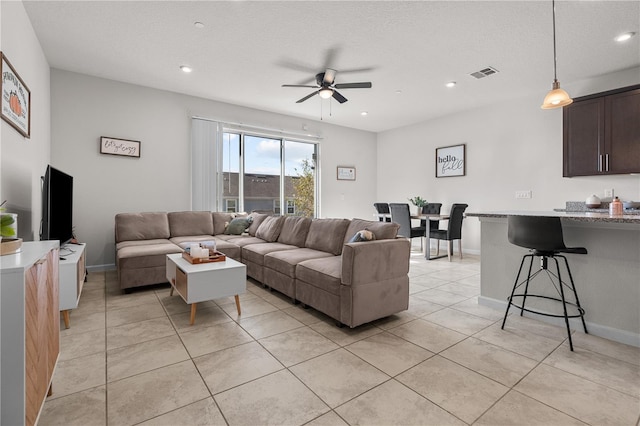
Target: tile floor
[(134, 359)]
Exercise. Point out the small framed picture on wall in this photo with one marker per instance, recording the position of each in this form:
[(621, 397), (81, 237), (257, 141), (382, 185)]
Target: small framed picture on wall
[(346, 173)]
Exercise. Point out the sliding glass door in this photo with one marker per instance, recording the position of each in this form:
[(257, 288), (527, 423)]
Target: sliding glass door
[(269, 175)]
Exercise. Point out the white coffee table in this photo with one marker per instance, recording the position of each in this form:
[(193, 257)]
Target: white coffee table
[(205, 281)]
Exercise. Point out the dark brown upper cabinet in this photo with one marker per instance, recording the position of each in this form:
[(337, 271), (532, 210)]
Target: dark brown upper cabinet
[(601, 133)]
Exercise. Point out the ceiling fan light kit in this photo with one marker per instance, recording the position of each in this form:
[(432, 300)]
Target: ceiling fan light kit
[(557, 97), (325, 93)]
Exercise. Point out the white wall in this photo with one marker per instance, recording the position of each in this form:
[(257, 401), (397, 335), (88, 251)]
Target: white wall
[(510, 147), (24, 160), (83, 108)]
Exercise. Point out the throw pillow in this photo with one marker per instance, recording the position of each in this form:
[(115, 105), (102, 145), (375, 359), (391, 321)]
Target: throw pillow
[(364, 235), (238, 225)]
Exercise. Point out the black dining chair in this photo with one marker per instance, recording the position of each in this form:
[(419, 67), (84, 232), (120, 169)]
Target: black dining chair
[(431, 208), (382, 208), (400, 214), (453, 231), (543, 237)]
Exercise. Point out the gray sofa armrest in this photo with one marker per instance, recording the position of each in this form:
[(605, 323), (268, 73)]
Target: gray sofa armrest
[(372, 261)]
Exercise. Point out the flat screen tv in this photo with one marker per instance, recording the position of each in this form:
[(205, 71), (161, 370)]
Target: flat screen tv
[(57, 206)]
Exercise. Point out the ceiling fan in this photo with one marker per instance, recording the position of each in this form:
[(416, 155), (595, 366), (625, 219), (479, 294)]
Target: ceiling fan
[(326, 87)]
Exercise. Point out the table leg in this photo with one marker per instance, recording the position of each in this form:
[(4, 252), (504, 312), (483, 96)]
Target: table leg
[(65, 316), (193, 313), (173, 283), (238, 303)]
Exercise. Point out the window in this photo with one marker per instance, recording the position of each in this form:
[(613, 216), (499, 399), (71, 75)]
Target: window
[(268, 174), (231, 205)]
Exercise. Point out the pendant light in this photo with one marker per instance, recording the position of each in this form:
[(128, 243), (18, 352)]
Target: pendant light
[(557, 97)]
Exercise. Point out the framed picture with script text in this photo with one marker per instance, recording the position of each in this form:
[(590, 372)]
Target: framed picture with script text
[(451, 161), (115, 146)]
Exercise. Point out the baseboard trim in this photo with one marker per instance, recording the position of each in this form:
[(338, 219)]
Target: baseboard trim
[(101, 268), (620, 336)]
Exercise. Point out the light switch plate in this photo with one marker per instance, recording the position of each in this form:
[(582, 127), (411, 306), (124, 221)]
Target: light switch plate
[(523, 194)]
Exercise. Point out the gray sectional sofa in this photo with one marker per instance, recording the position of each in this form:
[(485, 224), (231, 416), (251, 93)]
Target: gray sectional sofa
[(309, 260)]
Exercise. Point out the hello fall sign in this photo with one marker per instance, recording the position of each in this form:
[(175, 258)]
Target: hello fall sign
[(450, 161)]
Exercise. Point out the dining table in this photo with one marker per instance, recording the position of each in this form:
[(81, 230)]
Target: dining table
[(426, 216)]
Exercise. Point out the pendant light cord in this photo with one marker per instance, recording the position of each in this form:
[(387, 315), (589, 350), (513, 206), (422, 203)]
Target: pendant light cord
[(555, 66)]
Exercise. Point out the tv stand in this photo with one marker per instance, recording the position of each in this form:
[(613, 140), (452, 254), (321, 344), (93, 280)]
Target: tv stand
[(73, 272)]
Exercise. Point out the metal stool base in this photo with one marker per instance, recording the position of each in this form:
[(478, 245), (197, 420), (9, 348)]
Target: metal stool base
[(559, 287)]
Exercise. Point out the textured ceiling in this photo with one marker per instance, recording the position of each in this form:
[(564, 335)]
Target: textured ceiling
[(247, 50)]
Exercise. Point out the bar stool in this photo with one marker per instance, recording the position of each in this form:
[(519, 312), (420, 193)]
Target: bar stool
[(543, 236)]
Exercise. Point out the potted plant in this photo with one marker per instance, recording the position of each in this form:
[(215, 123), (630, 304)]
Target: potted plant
[(8, 230), (419, 202)]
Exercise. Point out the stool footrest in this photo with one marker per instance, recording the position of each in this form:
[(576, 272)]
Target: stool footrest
[(538, 312)]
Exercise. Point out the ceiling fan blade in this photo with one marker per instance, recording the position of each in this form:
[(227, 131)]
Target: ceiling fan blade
[(329, 77), (297, 66), (364, 85), (352, 70), (299, 85), (330, 56), (338, 97), (307, 97)]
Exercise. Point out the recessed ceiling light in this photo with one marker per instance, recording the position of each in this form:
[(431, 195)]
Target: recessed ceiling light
[(363, 113), (451, 84), (625, 36), (186, 68), (398, 91), (198, 25)]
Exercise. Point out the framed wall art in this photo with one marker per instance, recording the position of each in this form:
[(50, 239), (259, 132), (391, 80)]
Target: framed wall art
[(346, 173), (451, 161), (16, 99), (115, 146)]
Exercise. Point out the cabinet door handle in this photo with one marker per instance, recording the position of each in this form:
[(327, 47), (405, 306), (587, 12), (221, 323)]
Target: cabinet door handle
[(599, 166), (606, 157)]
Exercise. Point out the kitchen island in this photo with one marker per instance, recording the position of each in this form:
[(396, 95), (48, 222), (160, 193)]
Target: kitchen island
[(607, 278)]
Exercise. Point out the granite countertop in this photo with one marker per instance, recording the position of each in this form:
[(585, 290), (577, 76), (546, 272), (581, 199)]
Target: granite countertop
[(577, 216)]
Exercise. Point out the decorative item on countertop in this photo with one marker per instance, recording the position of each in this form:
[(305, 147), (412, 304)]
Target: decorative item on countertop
[(615, 208), (593, 202)]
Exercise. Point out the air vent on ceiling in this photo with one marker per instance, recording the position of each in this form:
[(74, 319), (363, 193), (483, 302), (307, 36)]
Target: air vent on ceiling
[(485, 72)]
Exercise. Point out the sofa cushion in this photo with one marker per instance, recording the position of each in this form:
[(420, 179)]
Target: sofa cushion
[(294, 230), (323, 273), (327, 235), (145, 255), (190, 223), (187, 239), (220, 221), (123, 244), (382, 230), (258, 218), (255, 252), (270, 228), (141, 226), (238, 225), (243, 240), (285, 261)]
